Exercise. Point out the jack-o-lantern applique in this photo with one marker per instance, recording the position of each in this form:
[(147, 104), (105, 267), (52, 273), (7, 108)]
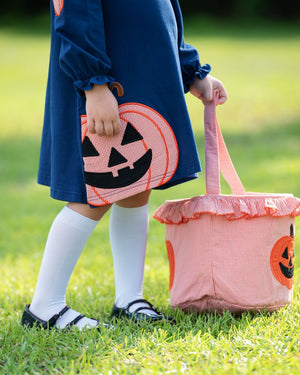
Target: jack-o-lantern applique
[(58, 5), (142, 156), (282, 259)]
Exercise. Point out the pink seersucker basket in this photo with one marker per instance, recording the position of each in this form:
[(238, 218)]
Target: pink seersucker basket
[(229, 252)]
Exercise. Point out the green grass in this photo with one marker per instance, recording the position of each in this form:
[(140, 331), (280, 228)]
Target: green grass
[(259, 64)]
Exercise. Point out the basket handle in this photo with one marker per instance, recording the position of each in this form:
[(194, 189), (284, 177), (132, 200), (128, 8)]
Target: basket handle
[(217, 157)]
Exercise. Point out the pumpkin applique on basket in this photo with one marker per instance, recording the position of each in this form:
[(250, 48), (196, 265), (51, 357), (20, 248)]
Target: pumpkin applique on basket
[(229, 252)]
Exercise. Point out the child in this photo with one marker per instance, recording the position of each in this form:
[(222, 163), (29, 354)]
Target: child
[(94, 43)]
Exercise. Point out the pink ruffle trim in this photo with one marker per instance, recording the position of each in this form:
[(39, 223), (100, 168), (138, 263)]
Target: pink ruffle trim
[(232, 206)]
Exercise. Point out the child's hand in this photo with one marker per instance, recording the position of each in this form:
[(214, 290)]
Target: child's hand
[(203, 89), (102, 111)]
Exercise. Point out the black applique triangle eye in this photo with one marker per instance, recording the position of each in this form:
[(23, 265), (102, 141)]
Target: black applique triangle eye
[(115, 158), (88, 149), (285, 254), (130, 135)]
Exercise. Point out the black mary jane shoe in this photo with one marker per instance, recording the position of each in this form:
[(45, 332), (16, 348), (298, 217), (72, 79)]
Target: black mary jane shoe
[(30, 320), (138, 316)]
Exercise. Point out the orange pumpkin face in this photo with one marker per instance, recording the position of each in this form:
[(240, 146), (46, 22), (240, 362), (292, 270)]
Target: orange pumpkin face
[(282, 260), (142, 156)]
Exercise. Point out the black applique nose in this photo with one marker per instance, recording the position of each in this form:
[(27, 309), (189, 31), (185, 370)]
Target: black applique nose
[(115, 158)]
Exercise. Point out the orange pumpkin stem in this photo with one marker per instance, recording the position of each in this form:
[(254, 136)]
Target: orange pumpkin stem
[(118, 87)]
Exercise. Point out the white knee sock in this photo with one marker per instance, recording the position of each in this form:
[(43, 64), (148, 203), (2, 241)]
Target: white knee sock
[(66, 240), (128, 236)]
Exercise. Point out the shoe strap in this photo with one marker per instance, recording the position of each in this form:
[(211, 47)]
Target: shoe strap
[(151, 307), (51, 322), (74, 321), (147, 308)]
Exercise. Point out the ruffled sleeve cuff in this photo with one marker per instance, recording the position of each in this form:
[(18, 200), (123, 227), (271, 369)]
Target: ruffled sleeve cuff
[(87, 84), (198, 72)]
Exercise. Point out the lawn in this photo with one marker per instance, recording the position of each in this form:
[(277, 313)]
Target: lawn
[(259, 65)]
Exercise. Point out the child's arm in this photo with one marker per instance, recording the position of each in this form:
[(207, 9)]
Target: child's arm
[(80, 27), (203, 89), (195, 77), (102, 111), (188, 55), (82, 55)]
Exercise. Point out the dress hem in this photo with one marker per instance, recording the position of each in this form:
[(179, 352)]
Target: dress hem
[(78, 197)]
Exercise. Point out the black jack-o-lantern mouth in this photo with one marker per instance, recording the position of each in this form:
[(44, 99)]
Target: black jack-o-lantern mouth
[(287, 271), (126, 176)]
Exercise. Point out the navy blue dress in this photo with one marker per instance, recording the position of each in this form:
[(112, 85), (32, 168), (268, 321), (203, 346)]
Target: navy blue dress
[(136, 43)]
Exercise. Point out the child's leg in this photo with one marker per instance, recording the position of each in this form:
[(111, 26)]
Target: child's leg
[(128, 236), (67, 237)]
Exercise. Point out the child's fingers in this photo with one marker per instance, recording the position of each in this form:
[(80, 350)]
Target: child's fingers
[(116, 126), (99, 128), (91, 126), (222, 97), (108, 129), (105, 128), (102, 111), (111, 127)]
